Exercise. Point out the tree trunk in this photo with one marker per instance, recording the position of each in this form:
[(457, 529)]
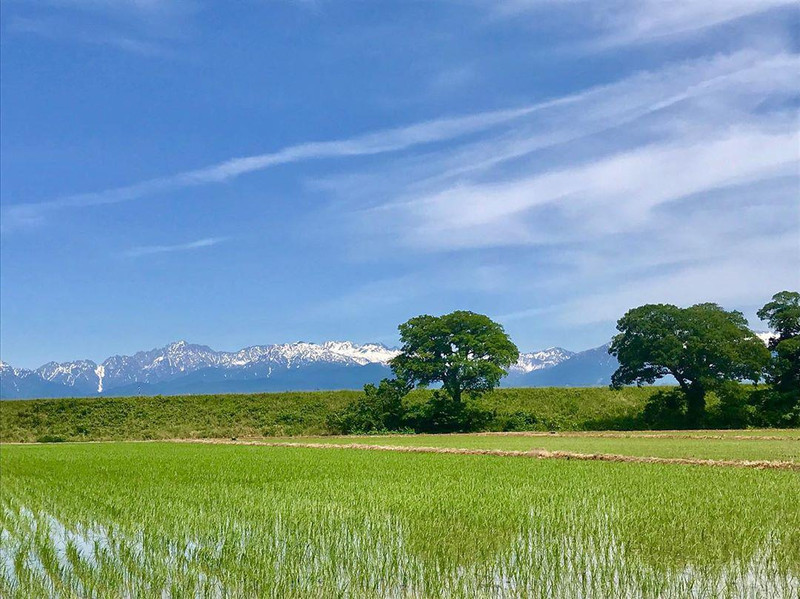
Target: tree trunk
[(695, 405), (452, 384), (456, 393)]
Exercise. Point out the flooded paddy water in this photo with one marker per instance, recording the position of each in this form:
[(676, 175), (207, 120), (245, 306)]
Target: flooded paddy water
[(178, 520)]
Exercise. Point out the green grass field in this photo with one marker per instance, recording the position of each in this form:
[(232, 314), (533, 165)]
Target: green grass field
[(267, 414), (180, 520), (786, 448)]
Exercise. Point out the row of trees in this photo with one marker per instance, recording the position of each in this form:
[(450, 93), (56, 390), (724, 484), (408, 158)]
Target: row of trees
[(704, 348), (708, 349)]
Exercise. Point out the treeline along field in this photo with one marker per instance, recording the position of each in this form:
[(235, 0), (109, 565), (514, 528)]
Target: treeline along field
[(307, 413)]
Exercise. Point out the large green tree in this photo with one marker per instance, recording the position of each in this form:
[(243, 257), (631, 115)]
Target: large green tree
[(783, 316), (702, 347), (464, 351)]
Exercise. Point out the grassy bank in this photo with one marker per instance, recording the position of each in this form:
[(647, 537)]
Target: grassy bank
[(276, 414), (118, 418)]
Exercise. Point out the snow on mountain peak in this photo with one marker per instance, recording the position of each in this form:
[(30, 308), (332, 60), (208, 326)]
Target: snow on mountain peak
[(68, 373), (9, 370), (538, 360), (369, 353), (129, 373), (100, 371)]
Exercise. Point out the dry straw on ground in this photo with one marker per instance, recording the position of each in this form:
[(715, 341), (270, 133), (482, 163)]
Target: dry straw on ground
[(533, 453)]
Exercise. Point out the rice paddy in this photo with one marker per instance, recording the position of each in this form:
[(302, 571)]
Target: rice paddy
[(183, 520)]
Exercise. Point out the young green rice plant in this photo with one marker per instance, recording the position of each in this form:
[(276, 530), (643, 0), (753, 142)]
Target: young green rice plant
[(238, 521)]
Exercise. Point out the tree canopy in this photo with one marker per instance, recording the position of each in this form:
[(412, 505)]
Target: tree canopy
[(465, 351), (701, 346), (783, 316)]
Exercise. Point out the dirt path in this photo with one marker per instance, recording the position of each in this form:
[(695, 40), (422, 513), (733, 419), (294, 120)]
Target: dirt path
[(534, 453), (637, 435)]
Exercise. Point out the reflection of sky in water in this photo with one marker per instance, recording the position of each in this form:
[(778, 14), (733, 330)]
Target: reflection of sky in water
[(578, 564)]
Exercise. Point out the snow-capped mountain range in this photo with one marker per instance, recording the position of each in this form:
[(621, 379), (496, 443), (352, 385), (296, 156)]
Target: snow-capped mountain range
[(539, 360), (186, 367)]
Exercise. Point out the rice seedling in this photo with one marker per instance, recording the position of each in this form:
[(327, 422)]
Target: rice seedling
[(128, 519)]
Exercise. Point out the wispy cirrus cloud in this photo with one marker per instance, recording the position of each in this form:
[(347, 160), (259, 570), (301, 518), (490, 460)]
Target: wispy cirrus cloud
[(146, 28), (57, 29), (643, 106), (603, 197), (512, 132), (621, 22), (597, 165), (671, 178), (148, 250), (381, 142)]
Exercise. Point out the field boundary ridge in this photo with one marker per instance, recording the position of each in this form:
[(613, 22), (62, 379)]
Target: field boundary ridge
[(532, 453)]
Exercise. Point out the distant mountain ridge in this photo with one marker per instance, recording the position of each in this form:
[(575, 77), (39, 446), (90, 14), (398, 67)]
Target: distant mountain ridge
[(186, 368), (183, 367), (590, 368)]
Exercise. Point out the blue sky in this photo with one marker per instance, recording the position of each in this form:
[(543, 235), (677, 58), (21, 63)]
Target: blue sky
[(272, 171)]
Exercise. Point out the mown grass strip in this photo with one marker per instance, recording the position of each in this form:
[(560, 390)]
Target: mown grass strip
[(746, 435), (787, 450), (534, 453)]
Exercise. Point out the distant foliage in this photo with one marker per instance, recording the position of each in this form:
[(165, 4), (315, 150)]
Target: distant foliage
[(704, 347), (192, 416), (311, 413), (379, 409), (781, 404)]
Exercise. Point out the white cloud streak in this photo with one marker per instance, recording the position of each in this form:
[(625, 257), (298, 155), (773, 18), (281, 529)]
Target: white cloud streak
[(604, 197), (391, 140), (623, 22), (617, 153), (569, 117), (148, 250), (643, 20), (60, 30), (599, 111), (147, 28), (657, 188)]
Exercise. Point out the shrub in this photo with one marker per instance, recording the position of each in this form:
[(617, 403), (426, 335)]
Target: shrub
[(666, 409), (773, 408), (379, 409)]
